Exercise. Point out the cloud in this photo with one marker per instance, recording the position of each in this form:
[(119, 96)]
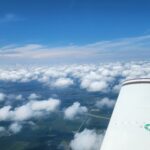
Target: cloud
[(87, 140), (135, 48), (32, 109), (15, 127), (29, 110), (96, 80), (2, 97), (9, 98), (105, 102), (48, 105), (37, 51), (33, 96), (74, 110), (103, 77), (5, 113), (94, 86), (22, 113), (62, 83)]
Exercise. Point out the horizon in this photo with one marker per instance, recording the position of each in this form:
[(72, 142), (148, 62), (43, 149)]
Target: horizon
[(73, 31)]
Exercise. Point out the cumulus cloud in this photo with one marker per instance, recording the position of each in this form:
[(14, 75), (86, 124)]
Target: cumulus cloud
[(94, 86), (15, 127), (22, 113), (87, 140), (74, 110), (2, 96), (32, 109), (62, 82), (33, 96), (102, 77), (48, 105), (5, 113), (105, 102), (29, 110), (96, 80)]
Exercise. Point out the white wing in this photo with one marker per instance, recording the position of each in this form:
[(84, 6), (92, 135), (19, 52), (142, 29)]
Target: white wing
[(129, 127)]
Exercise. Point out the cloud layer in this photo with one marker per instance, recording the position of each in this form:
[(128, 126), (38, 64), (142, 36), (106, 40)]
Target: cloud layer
[(135, 48), (93, 78), (101, 78)]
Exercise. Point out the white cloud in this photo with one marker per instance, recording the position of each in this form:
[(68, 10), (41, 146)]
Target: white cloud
[(2, 96), (15, 127), (62, 82), (104, 77), (95, 81), (33, 96), (48, 105), (86, 140), (5, 113), (32, 109), (74, 110), (105, 102), (97, 86), (22, 113), (120, 49), (29, 110), (94, 78)]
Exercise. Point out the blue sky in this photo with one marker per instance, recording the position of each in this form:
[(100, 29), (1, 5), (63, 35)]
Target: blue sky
[(63, 23)]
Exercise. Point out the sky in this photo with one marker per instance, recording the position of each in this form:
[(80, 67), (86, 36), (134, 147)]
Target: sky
[(64, 30)]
